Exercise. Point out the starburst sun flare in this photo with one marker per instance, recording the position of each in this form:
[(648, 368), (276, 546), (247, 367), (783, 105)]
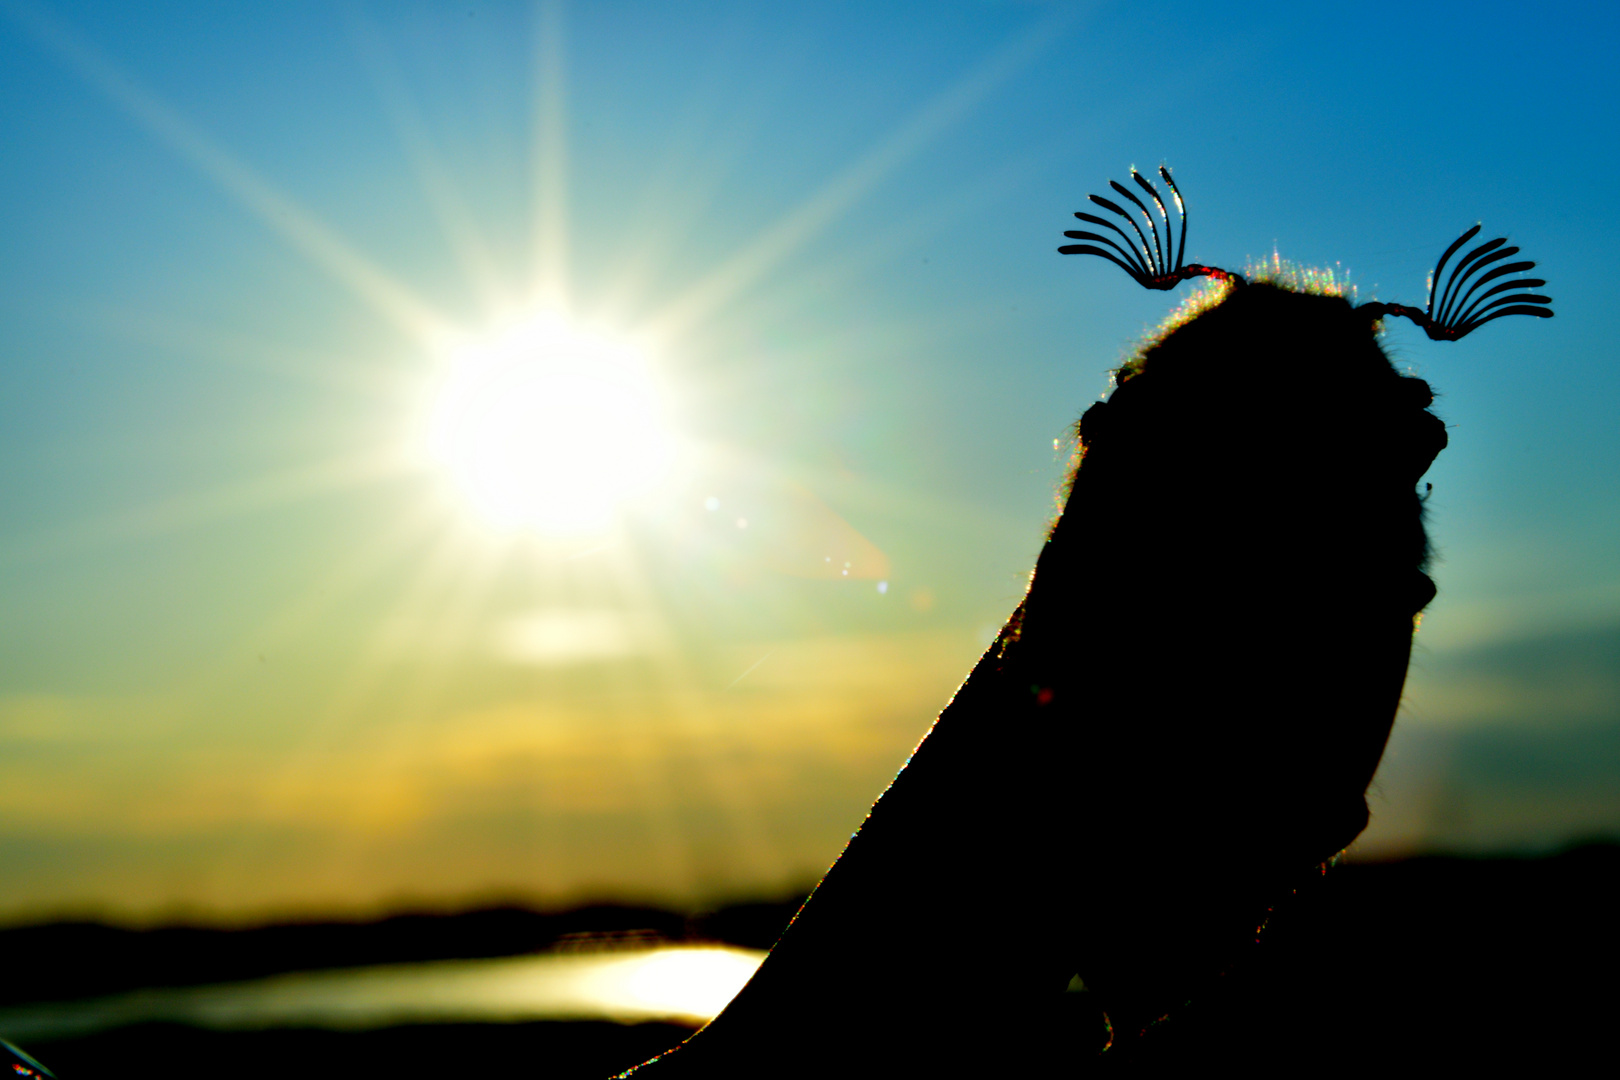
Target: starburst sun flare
[(545, 427)]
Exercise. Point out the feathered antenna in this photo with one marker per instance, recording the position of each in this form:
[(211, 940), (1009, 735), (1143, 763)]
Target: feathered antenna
[(1153, 266), (1453, 309)]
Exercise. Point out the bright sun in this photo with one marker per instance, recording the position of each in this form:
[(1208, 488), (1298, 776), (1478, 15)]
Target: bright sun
[(547, 428)]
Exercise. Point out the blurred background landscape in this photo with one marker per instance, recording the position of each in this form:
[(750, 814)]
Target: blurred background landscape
[(303, 624)]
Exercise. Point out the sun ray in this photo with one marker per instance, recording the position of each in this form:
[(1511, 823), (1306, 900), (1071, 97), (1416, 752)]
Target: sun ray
[(728, 777), (198, 509), (366, 562), (926, 222), (327, 369), (451, 560), (691, 176), (446, 637), (437, 569), (285, 780), (812, 216), (455, 220), (550, 162), (304, 231), (653, 774)]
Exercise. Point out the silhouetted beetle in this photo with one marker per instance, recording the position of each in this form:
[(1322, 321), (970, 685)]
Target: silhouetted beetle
[(1178, 724)]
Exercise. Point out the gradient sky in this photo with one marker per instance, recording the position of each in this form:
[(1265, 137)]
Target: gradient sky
[(257, 655)]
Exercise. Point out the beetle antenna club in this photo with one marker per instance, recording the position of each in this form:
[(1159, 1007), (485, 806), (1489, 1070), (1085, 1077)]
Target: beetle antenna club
[(1156, 266), (1453, 310)]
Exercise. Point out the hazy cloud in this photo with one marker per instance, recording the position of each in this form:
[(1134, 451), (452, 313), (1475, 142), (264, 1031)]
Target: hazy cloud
[(1510, 745)]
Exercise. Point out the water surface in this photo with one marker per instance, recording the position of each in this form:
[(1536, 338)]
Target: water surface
[(688, 984)]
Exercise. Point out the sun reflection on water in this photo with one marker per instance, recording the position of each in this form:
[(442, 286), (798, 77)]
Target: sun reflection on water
[(695, 983), (685, 984)]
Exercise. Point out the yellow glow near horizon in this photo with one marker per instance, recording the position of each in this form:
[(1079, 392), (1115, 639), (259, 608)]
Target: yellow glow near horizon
[(545, 427)]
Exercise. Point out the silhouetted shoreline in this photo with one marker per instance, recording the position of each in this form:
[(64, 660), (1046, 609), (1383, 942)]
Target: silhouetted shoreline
[(1452, 959), (71, 960)]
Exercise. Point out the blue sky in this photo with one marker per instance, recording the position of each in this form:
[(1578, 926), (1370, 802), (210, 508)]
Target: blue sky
[(251, 644)]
